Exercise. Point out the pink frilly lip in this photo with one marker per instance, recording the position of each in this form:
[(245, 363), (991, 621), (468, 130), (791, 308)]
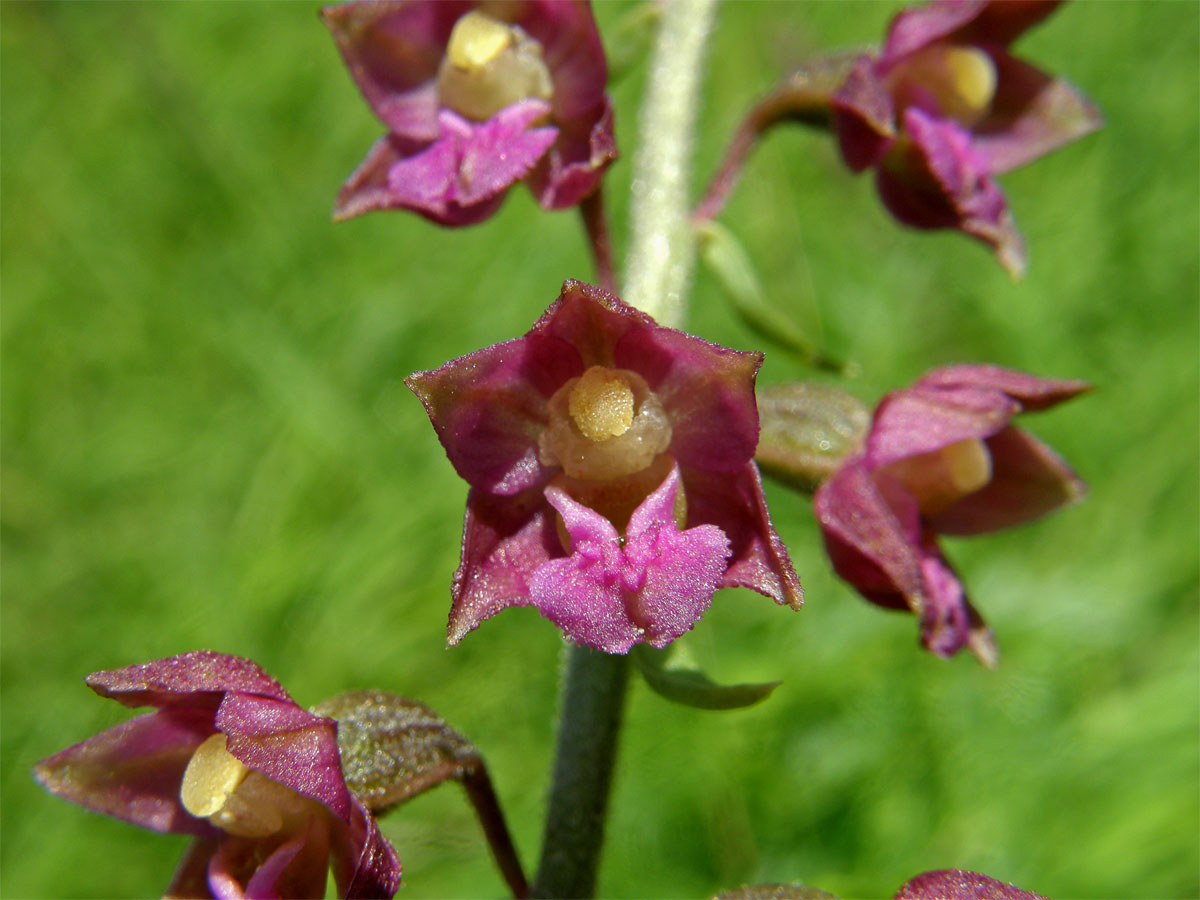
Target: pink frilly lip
[(454, 171), (489, 409), (878, 539), (933, 172), (134, 771)]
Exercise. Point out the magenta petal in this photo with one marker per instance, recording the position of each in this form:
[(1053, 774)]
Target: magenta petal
[(1032, 115), (297, 868), (576, 162), (734, 502), (707, 391), (997, 22), (393, 50), (582, 594), (198, 678), (674, 573), (505, 539), (872, 543), (1033, 393), (955, 884), (942, 182), (945, 622), (863, 117), (489, 407), (191, 875), (372, 868), (133, 771), (1028, 481), (501, 151), (915, 421), (288, 744), (573, 52)]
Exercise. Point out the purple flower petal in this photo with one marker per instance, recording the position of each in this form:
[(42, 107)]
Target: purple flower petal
[(942, 182), (707, 391), (572, 50), (393, 51), (1033, 393), (369, 872), (652, 589), (969, 22), (133, 771), (575, 164), (289, 745), (734, 502), (198, 678), (489, 407), (872, 543), (1032, 114), (505, 540), (915, 421), (864, 117), (191, 875), (955, 884), (297, 868), (1028, 481)]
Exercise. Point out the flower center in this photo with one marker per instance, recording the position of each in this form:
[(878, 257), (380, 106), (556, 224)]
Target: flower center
[(942, 477), (603, 425), (490, 65), (219, 787), (958, 82)]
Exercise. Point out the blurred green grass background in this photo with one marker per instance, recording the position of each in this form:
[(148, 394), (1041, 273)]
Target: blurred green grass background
[(207, 443)]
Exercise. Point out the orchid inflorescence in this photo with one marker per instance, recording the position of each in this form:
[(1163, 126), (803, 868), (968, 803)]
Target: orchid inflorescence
[(611, 460)]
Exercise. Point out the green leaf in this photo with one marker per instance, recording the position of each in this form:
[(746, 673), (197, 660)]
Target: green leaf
[(726, 258), (691, 687)]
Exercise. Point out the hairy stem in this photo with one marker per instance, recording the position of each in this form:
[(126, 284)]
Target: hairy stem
[(662, 247), (593, 701)]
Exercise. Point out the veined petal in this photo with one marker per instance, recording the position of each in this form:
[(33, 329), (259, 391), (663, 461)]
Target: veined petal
[(501, 151), (583, 593), (289, 745), (707, 391), (915, 421), (393, 49), (673, 574), (577, 160), (505, 540), (1032, 114), (864, 116), (198, 678), (940, 181), (997, 22), (1030, 391), (1028, 481), (734, 502), (133, 771), (873, 541), (489, 407)]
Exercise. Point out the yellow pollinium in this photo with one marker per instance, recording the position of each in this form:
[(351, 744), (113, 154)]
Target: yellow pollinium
[(961, 79), (477, 40), (219, 787), (489, 65), (211, 777), (601, 404), (941, 478)]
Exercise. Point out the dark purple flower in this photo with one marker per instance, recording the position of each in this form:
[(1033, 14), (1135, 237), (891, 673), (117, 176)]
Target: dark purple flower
[(955, 884), (228, 756), (945, 107), (475, 96), (612, 477), (942, 458)]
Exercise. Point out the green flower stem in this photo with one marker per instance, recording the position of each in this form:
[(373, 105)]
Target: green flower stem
[(662, 246), (593, 702), (662, 252)]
